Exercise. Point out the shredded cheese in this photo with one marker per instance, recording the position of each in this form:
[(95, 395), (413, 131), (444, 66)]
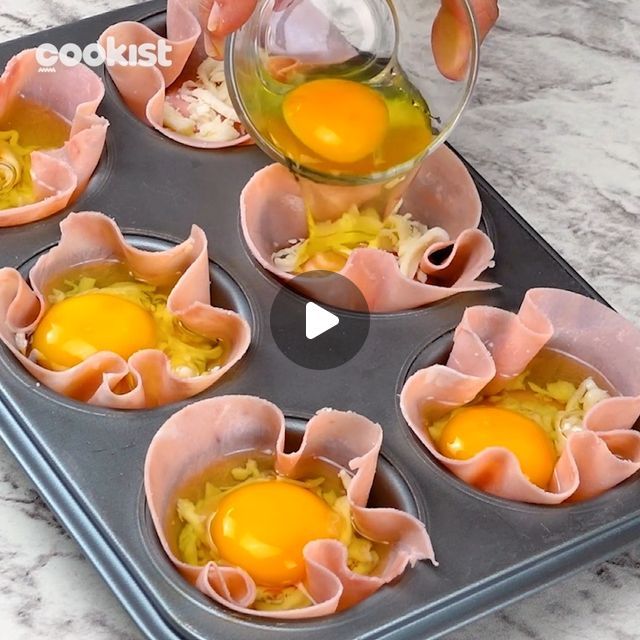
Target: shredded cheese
[(16, 185), (190, 354), (559, 407), (196, 547), (399, 234), (201, 108)]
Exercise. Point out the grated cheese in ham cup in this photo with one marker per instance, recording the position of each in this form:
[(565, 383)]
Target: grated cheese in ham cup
[(492, 346), (442, 198), (207, 432), (73, 92), (187, 100), (91, 237)]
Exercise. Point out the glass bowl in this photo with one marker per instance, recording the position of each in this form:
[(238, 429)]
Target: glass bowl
[(360, 39)]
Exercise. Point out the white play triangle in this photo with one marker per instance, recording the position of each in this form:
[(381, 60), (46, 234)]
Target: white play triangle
[(318, 321)]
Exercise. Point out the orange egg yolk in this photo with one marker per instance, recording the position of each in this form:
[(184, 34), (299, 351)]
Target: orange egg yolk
[(340, 120), (263, 527), (76, 328), (472, 430), (325, 261)]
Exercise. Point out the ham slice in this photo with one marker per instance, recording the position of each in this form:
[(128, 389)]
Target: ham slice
[(93, 237), (195, 30), (442, 194), (59, 175), (206, 432), (492, 346)]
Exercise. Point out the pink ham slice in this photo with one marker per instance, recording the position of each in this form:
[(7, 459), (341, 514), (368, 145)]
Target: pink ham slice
[(443, 194), (491, 346), (144, 89), (93, 237), (59, 175), (207, 432)]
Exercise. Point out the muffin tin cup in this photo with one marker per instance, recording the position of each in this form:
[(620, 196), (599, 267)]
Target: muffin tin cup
[(156, 22), (390, 489), (437, 352), (88, 462), (225, 293)]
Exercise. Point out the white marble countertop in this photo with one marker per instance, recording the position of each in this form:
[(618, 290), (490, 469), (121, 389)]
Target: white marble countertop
[(555, 127)]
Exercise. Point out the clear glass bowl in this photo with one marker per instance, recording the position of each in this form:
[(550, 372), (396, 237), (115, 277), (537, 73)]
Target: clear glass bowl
[(359, 39)]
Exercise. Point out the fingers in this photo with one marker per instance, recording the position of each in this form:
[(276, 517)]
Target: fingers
[(486, 12), (225, 16), (451, 34)]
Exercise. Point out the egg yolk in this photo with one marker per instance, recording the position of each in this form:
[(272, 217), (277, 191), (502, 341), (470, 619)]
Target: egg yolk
[(264, 526), (325, 261), (474, 429), (340, 120), (76, 328)]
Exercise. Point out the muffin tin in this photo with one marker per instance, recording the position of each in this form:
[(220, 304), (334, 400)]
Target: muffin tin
[(87, 462)]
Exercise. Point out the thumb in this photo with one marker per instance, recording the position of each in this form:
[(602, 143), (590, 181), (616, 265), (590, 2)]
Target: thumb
[(451, 34)]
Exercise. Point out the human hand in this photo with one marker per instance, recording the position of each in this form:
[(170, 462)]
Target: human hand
[(451, 36)]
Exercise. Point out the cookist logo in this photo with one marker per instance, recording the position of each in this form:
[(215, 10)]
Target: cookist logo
[(148, 54)]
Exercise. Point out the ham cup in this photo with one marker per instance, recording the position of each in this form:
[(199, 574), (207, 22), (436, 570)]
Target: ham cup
[(132, 315), (184, 95), (446, 256), (206, 433), (492, 347), (68, 94)]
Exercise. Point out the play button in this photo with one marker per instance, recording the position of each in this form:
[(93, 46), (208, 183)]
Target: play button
[(320, 321)]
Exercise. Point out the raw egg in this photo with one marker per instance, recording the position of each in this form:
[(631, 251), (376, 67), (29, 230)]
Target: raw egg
[(76, 328), (324, 261), (530, 417), (16, 184), (37, 126), (263, 528), (242, 513), (473, 429), (25, 126), (104, 307), (341, 120), (346, 127), (331, 242)]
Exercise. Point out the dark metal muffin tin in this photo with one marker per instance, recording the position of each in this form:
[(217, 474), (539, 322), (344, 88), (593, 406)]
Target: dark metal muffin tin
[(87, 462)]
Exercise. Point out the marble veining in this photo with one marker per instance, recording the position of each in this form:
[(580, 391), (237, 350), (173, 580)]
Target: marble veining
[(555, 126)]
